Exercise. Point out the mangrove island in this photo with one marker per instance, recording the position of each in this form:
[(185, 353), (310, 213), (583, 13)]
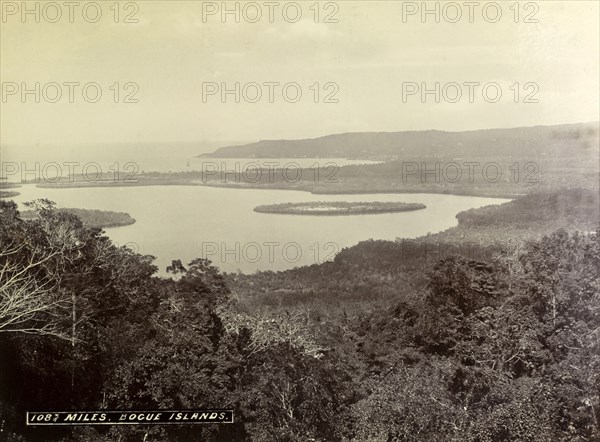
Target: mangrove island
[(338, 208)]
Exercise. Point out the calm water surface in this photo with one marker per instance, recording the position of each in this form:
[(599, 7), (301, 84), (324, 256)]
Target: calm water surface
[(185, 222)]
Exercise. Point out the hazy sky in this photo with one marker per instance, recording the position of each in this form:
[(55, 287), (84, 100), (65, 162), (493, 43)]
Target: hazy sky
[(367, 56)]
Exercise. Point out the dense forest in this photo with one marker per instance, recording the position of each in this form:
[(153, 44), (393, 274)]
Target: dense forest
[(391, 341)]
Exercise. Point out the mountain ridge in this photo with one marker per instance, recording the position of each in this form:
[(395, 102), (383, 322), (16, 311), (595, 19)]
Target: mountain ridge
[(386, 145)]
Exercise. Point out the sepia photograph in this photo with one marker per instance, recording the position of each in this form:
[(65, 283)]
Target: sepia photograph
[(296, 221)]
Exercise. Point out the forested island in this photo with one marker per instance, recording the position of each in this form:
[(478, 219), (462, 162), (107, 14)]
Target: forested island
[(4, 193), (333, 208), (90, 217), (8, 194)]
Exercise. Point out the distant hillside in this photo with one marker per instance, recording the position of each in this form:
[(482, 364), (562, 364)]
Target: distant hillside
[(570, 139), (528, 217)]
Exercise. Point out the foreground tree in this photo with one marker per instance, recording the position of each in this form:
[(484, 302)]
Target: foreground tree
[(29, 298)]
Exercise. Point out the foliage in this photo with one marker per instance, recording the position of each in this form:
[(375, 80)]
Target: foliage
[(338, 208), (378, 345)]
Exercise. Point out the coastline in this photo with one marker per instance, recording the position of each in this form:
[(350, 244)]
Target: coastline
[(483, 193)]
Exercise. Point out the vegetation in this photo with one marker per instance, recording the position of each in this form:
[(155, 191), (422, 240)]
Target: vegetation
[(338, 208), (8, 194), (528, 217), (560, 140), (535, 175), (92, 218), (511, 178), (460, 345), (495, 163), (373, 274)]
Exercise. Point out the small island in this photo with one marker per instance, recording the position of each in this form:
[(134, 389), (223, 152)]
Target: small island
[(11, 193), (8, 194), (92, 218), (338, 208)]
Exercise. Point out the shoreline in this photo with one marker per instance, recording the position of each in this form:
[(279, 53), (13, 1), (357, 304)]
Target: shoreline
[(377, 191), (95, 218)]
